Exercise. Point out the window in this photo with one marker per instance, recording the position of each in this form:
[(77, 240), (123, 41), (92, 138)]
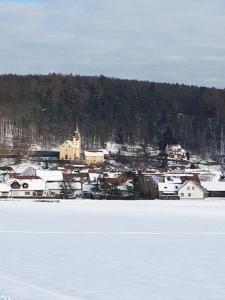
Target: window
[(5, 194), (193, 188), (27, 193), (189, 195), (188, 188), (176, 187), (25, 185), (15, 185), (165, 187), (182, 194)]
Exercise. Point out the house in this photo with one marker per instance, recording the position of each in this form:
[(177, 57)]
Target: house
[(94, 176), (168, 186), (175, 152), (94, 157), (4, 171), (126, 189), (71, 150), (131, 150), (26, 186), (72, 184), (50, 175), (89, 190), (214, 188), (53, 181), (170, 183), (53, 188), (191, 190)]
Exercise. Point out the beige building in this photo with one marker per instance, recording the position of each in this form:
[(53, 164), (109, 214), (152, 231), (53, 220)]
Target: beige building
[(94, 157), (71, 150)]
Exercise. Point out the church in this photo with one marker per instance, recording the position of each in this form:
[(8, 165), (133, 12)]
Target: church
[(71, 150)]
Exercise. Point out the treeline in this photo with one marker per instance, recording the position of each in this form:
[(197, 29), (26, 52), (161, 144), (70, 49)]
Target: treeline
[(45, 109)]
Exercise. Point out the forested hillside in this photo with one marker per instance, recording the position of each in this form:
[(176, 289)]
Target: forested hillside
[(45, 109)]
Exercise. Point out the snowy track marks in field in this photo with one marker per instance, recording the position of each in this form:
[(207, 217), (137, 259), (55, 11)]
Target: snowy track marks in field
[(31, 289), (112, 233)]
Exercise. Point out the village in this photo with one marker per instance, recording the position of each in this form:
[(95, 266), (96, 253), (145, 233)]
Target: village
[(116, 172)]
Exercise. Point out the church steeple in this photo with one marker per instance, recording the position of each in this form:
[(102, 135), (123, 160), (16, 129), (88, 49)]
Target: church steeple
[(77, 142)]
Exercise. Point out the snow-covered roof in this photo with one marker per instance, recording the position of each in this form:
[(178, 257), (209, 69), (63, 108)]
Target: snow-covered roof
[(104, 151), (125, 185), (59, 185), (214, 186), (190, 182), (29, 171), (54, 185), (173, 179), (84, 171), (122, 187), (33, 184), (88, 188), (112, 174), (94, 176), (93, 153), (174, 147), (23, 167), (76, 185), (50, 175)]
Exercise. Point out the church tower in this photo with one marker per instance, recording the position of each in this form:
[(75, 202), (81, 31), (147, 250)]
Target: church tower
[(77, 144)]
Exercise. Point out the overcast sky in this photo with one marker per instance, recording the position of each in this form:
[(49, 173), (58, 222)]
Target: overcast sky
[(158, 40)]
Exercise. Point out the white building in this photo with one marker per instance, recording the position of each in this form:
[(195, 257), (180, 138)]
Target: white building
[(175, 152), (26, 186), (191, 190), (169, 185), (5, 190), (215, 188)]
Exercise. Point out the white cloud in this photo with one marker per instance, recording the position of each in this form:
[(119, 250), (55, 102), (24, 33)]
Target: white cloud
[(169, 41)]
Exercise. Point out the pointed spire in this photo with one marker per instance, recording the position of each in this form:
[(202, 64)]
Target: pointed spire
[(77, 127), (77, 132)]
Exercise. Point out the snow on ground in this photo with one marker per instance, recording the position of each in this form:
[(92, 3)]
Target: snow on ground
[(160, 250)]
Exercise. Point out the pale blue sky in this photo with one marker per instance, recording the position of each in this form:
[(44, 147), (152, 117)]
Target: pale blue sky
[(168, 41)]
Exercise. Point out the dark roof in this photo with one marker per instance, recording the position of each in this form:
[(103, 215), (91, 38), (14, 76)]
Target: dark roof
[(4, 168), (69, 177)]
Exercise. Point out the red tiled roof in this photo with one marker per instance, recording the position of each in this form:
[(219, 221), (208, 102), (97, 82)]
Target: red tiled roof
[(16, 176)]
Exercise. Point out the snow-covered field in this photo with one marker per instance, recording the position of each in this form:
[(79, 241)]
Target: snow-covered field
[(157, 250)]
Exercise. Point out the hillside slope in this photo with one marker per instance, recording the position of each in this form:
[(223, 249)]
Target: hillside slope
[(45, 109)]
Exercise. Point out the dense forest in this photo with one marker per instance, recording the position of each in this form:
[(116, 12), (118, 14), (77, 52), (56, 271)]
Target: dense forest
[(44, 109)]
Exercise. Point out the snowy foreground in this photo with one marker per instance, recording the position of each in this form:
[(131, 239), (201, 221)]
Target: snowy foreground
[(112, 250)]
